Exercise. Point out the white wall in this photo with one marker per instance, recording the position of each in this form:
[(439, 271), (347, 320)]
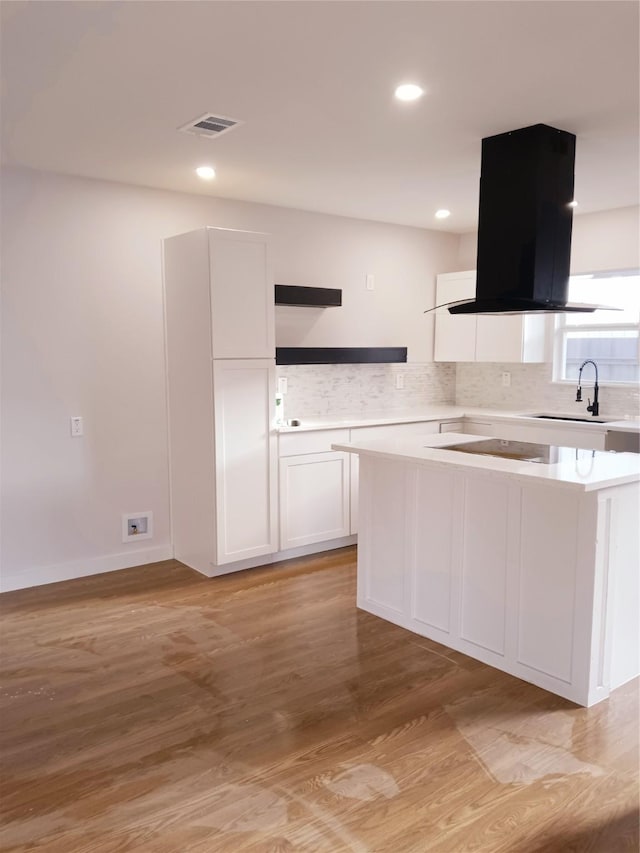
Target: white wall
[(600, 241), (82, 335)]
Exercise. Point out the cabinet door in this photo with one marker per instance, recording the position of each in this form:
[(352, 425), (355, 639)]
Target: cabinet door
[(499, 338), (455, 336), (314, 498), (246, 459), (242, 295), (508, 338)]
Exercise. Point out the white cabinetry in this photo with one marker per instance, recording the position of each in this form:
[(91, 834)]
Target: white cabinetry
[(516, 338), (376, 432), (314, 488), (245, 459), (319, 486), (221, 378), (455, 335), (242, 294), (539, 581), (314, 504)]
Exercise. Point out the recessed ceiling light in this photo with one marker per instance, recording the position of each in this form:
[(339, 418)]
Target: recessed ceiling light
[(205, 172), (573, 203), (409, 92), (442, 214)]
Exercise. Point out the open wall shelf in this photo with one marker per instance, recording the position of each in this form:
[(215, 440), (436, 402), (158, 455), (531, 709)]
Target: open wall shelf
[(340, 355), (314, 297)]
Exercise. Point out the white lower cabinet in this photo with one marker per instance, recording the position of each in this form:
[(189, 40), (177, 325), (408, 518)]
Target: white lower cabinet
[(319, 486), (245, 459), (314, 498)]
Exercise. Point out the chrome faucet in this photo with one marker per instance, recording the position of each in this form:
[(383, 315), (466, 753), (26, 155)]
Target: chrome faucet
[(592, 407)]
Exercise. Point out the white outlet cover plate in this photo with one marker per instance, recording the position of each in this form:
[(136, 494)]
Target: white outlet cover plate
[(127, 517)]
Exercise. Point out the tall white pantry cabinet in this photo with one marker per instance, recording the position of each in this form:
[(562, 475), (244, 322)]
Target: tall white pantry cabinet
[(220, 333)]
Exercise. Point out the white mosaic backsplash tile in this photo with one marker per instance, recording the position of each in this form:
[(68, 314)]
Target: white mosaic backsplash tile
[(532, 388), (348, 389)]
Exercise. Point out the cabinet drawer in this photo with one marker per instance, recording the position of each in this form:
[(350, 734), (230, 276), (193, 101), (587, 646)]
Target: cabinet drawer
[(394, 430), (320, 441)]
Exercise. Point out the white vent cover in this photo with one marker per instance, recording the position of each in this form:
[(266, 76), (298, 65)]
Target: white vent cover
[(209, 125)]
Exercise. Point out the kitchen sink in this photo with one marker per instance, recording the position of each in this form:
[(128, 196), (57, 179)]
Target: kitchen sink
[(585, 419)]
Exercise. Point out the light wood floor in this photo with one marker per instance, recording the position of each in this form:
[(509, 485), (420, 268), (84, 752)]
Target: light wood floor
[(155, 710)]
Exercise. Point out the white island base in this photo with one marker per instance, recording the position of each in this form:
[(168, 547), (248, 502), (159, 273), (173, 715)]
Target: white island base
[(505, 561)]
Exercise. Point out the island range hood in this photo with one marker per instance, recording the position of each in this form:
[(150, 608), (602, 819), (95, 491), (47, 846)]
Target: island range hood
[(524, 224)]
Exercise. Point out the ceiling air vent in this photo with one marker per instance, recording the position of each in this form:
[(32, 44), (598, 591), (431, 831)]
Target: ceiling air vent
[(209, 125)]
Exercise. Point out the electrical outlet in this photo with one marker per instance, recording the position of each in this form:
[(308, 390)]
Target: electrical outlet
[(399, 381), (282, 384), (137, 525), (506, 380), (77, 426)]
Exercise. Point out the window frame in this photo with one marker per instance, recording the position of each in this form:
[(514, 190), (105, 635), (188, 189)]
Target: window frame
[(560, 330)]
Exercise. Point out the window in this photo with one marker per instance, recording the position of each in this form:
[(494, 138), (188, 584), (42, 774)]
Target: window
[(610, 338)]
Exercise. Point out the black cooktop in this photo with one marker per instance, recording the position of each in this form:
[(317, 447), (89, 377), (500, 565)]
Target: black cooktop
[(524, 451)]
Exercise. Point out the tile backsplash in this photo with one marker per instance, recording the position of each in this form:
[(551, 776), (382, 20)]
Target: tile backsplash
[(531, 388), (347, 389)]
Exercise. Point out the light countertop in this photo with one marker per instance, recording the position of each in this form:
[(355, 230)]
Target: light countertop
[(587, 470), (451, 412)]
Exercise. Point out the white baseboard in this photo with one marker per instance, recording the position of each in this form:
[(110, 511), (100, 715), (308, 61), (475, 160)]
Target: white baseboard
[(84, 568), (266, 560)]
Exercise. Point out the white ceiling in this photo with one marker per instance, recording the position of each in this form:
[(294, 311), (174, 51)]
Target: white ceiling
[(99, 88)]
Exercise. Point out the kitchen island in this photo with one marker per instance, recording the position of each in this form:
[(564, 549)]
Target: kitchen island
[(529, 566)]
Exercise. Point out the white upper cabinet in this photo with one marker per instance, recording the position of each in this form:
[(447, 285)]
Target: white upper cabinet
[(511, 338), (455, 336), (242, 295), (231, 270)]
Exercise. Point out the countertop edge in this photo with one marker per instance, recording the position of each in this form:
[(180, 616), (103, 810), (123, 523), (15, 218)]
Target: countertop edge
[(449, 413), (406, 450)]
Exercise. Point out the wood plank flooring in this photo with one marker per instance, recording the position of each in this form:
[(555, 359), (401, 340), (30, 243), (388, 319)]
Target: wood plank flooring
[(261, 712)]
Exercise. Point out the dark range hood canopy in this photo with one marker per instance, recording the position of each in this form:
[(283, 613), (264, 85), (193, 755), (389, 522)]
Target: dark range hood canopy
[(524, 225)]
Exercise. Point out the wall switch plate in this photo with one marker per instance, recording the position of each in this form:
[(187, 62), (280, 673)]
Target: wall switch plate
[(137, 525), (77, 426), (506, 380), (282, 384), (399, 381), (371, 282)]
